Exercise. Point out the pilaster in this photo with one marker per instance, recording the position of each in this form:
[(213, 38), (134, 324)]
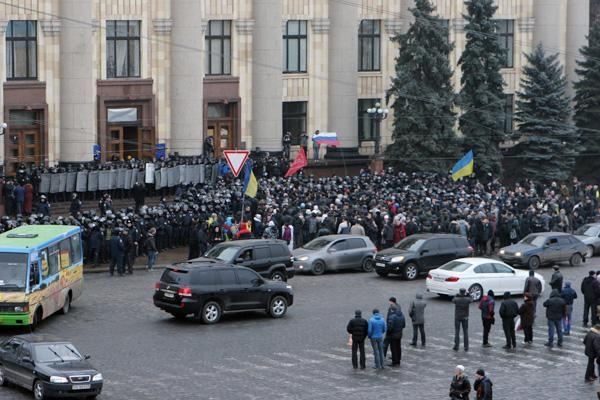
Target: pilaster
[(245, 29)]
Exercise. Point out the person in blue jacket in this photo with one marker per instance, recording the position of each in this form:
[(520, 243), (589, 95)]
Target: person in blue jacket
[(376, 332), (569, 295)]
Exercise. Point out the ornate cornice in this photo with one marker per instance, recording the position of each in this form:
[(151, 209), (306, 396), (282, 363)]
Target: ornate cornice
[(244, 26), (458, 24), (393, 26), (50, 27), (320, 25), (162, 26), (3, 25), (527, 24)]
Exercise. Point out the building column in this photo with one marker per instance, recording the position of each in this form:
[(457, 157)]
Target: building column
[(343, 73), (161, 74), (51, 48), (318, 109), (3, 118), (577, 30), (389, 52), (244, 29)]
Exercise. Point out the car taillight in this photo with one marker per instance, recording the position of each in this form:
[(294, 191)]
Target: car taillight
[(157, 286), (429, 276), (185, 292), (452, 279)]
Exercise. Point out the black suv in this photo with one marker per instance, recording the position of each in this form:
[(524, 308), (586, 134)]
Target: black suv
[(208, 289), (270, 258), (417, 254)]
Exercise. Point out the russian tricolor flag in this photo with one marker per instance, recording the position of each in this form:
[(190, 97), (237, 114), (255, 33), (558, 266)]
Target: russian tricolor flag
[(327, 138)]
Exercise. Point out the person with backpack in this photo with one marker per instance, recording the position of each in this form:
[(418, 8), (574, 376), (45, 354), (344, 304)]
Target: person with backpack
[(150, 247), (358, 327), (396, 324), (287, 234), (483, 386)]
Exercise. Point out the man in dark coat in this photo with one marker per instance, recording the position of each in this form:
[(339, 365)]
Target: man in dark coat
[(555, 312), (396, 324), (128, 252), (533, 286), (591, 342), (460, 386), (509, 309), (527, 314), (417, 316), (461, 317), (482, 385), (589, 290), (358, 327), (117, 252), (139, 195), (75, 206), (556, 281), (391, 310), (486, 305)]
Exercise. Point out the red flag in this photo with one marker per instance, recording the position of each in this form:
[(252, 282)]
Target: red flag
[(299, 163)]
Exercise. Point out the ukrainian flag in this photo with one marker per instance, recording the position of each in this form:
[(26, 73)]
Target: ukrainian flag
[(250, 182), (464, 167)]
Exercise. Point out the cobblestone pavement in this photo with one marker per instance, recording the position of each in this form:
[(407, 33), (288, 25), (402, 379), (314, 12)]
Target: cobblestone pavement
[(145, 354)]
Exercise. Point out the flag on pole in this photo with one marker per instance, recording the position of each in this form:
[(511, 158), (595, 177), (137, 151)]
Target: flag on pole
[(250, 182), (464, 167), (327, 138), (299, 163)]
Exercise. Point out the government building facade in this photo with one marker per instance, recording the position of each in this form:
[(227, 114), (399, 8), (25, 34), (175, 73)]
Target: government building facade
[(123, 76)]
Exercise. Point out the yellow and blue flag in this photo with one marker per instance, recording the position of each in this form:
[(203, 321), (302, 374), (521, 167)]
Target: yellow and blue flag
[(464, 167), (250, 182)]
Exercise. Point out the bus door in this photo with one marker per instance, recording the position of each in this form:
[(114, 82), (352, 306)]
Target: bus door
[(34, 281)]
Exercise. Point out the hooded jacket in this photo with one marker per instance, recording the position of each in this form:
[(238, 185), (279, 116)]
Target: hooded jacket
[(588, 288), (486, 305), (483, 388), (417, 310), (377, 327), (527, 313), (555, 306), (568, 294), (591, 342), (396, 324)]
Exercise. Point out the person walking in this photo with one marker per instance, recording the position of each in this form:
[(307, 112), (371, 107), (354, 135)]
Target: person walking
[(591, 342), (396, 324), (117, 249), (150, 247), (128, 252), (417, 316), (358, 327), (76, 204), (483, 386), (555, 312), (486, 305), (391, 311), (569, 295), (460, 387), (461, 317), (527, 314), (375, 332), (589, 289), (509, 310), (534, 287), (556, 281)]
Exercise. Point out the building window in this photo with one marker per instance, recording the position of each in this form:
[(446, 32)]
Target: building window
[(508, 123), (445, 26), (218, 48), (294, 47), (369, 49), (506, 39), (366, 124), (294, 119), (123, 50), (21, 50)]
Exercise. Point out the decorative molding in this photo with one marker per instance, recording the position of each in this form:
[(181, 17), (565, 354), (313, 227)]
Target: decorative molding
[(203, 25), (3, 25), (96, 26), (50, 27), (393, 26), (320, 25), (458, 24), (527, 24), (162, 26), (244, 26)]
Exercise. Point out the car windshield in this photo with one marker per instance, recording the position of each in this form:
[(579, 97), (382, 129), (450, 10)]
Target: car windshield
[(56, 352), (223, 253), (409, 244), (456, 266), (587, 230), (317, 244), (534, 240), (13, 271)]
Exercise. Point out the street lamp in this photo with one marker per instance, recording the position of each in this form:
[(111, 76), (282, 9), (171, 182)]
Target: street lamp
[(378, 114)]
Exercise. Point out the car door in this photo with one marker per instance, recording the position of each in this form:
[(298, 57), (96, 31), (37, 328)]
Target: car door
[(506, 280), (356, 251), (262, 260), (448, 250), (485, 275), (249, 296), (567, 249), (24, 367), (429, 254), (228, 289), (10, 351), (336, 255), (552, 251)]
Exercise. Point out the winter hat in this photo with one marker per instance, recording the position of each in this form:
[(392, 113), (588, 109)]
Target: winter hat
[(490, 293), (480, 372), (358, 313), (592, 273), (462, 291), (461, 368), (506, 295), (568, 284), (555, 267), (393, 299), (375, 311)]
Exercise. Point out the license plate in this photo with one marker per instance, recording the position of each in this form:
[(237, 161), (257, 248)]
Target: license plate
[(81, 387), (169, 295), (438, 279), (379, 264)]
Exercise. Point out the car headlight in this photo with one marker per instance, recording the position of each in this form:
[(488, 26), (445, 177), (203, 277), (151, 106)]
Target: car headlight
[(397, 259), (502, 252), (22, 308), (58, 379), (97, 378), (303, 258), (518, 254), (288, 286)]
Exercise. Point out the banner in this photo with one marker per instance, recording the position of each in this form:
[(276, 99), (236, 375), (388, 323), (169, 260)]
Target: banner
[(161, 151)]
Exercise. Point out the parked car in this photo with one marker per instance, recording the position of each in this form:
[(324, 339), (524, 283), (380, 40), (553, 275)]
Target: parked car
[(545, 248), (207, 290), (270, 258), (417, 254), (335, 253), (589, 234), (477, 275), (49, 367)]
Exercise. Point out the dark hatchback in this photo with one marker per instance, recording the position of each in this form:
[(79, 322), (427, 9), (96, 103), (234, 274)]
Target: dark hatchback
[(417, 254), (49, 367), (207, 290)]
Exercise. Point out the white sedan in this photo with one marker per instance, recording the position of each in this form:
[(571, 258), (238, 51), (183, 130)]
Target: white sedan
[(477, 276)]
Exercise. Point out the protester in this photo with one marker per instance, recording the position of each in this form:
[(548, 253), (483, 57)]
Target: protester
[(486, 305), (461, 318), (392, 308), (417, 315), (533, 286), (376, 331), (527, 316), (509, 310), (358, 327), (591, 342), (482, 386), (555, 312), (569, 295), (460, 387), (150, 247), (396, 325), (590, 289), (556, 281)]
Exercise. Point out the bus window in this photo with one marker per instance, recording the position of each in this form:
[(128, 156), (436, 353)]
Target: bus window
[(44, 260), (34, 275), (13, 271), (54, 261), (65, 254), (75, 249)]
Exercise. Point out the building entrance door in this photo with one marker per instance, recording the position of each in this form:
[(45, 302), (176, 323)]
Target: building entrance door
[(24, 141), (220, 126), (125, 142)]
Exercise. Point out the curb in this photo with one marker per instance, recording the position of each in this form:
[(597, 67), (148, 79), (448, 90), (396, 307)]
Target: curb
[(103, 269)]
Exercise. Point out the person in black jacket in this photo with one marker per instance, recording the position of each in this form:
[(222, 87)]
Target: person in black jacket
[(128, 252), (460, 386), (589, 290), (117, 249), (396, 324), (555, 312), (461, 317), (482, 385), (592, 351), (358, 327), (509, 309)]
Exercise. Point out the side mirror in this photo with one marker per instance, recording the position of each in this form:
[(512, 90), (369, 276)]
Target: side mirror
[(27, 360), (424, 251), (258, 282), (332, 250), (239, 260), (87, 357)]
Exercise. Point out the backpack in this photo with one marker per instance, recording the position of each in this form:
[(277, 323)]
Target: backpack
[(287, 233)]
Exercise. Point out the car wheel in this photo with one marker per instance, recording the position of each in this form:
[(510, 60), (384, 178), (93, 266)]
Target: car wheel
[(278, 276), (534, 262), (367, 265), (211, 312), (476, 292), (318, 268), (575, 259), (3, 381), (382, 274), (38, 390), (278, 307), (37, 317), (590, 251), (411, 271), (67, 306)]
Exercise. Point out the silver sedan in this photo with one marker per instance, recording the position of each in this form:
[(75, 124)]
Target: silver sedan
[(590, 235), (334, 253)]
